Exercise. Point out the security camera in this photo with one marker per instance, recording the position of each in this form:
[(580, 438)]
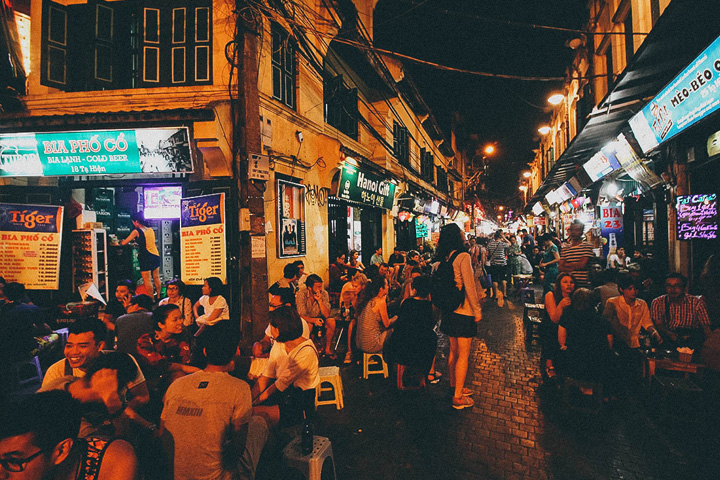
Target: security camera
[(299, 136)]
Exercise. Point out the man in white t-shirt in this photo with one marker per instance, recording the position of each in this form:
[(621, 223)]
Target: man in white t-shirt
[(207, 423)]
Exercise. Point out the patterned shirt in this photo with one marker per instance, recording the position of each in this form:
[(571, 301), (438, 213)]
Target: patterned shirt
[(497, 250), (690, 313), (575, 253)]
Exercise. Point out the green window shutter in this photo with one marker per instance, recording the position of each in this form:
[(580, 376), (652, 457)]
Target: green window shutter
[(55, 46)]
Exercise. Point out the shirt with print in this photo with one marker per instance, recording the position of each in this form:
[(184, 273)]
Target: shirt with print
[(200, 410), (574, 253)]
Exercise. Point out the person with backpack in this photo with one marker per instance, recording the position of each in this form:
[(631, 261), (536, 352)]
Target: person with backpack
[(455, 294)]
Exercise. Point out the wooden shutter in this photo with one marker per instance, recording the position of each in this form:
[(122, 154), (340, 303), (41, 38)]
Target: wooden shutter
[(109, 45), (55, 46)]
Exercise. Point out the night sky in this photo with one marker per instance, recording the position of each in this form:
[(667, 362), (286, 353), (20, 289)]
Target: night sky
[(474, 35)]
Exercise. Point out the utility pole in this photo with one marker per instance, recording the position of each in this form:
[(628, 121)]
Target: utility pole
[(252, 274)]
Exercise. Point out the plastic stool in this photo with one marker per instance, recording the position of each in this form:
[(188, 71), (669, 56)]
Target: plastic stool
[(367, 363), (31, 367), (527, 295), (330, 375), (310, 465)]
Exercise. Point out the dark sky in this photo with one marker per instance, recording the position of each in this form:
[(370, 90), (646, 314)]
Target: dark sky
[(474, 35)]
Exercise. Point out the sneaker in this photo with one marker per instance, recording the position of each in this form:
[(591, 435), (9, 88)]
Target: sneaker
[(348, 358), (462, 402), (466, 392)]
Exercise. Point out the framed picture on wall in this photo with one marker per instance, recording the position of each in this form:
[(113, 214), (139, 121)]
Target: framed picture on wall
[(291, 219)]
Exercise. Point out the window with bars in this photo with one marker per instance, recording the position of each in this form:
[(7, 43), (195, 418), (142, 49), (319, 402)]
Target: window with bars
[(101, 45), (341, 110), (427, 166), (283, 66), (401, 144), (442, 181)]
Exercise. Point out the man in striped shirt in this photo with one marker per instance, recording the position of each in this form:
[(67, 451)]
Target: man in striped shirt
[(576, 254), (497, 252), (679, 315)]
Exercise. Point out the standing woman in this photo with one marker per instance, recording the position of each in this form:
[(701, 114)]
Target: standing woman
[(556, 302), (176, 296), (514, 257), (148, 255), (461, 325), (549, 263)]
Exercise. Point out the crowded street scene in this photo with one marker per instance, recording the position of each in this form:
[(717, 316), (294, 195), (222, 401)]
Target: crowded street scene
[(359, 239)]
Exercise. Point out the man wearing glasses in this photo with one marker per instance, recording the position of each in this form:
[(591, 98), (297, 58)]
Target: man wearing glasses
[(38, 441), (681, 318)]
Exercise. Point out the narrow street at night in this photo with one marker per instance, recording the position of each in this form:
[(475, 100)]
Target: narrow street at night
[(517, 430)]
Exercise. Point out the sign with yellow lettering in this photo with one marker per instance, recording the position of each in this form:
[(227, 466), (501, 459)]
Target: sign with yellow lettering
[(30, 245), (202, 239)]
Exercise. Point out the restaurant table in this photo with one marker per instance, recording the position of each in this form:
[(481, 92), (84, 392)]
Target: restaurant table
[(659, 361)]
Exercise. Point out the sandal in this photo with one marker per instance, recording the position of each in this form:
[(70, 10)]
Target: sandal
[(331, 356), (462, 402), (550, 372), (466, 392), (348, 357)]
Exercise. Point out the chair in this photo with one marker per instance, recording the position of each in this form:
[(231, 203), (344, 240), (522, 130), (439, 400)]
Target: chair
[(579, 401), (330, 375), (311, 466), (28, 371), (368, 362), (532, 319)]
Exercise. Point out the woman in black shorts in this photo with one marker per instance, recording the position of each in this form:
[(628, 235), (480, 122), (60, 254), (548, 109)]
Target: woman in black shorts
[(461, 325)]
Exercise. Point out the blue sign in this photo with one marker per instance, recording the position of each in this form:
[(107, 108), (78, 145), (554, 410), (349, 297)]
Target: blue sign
[(30, 218), (205, 210), (690, 97)]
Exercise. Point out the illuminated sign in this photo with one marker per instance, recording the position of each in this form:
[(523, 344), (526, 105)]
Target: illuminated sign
[(365, 187), (96, 152), (537, 209), (202, 239), (697, 217), (687, 99)]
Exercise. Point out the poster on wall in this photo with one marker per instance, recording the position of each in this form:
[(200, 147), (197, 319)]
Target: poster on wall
[(202, 239), (611, 225), (291, 219), (30, 245), (697, 217)]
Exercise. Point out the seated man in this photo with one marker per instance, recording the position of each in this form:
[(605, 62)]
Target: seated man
[(39, 440), (313, 305), (134, 324), (681, 318), (283, 291), (337, 273), (81, 349), (627, 314), (207, 425)]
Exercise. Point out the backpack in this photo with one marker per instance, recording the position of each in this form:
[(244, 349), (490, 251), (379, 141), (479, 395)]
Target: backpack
[(445, 294)]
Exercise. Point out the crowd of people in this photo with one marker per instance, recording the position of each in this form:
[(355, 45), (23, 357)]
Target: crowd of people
[(156, 389)]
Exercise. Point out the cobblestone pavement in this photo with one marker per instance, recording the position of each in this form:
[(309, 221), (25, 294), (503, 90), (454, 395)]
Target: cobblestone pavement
[(518, 428)]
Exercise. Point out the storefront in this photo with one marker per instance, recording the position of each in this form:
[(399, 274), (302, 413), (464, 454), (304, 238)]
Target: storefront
[(98, 179), (355, 212)]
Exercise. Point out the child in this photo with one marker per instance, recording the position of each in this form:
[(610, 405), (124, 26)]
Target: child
[(414, 341)]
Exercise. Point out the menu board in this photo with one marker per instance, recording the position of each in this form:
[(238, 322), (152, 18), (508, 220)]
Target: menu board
[(30, 245), (697, 217), (202, 238)]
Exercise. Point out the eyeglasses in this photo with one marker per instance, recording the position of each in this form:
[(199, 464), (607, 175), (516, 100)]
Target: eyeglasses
[(16, 465)]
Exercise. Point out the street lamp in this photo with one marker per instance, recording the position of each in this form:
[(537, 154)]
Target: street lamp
[(526, 174), (524, 189), (489, 149), (556, 99), (543, 130)]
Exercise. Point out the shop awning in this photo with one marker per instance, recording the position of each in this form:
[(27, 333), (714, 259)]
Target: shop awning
[(684, 29)]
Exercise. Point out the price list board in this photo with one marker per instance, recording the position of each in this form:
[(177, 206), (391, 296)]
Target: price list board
[(30, 245), (203, 248)]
